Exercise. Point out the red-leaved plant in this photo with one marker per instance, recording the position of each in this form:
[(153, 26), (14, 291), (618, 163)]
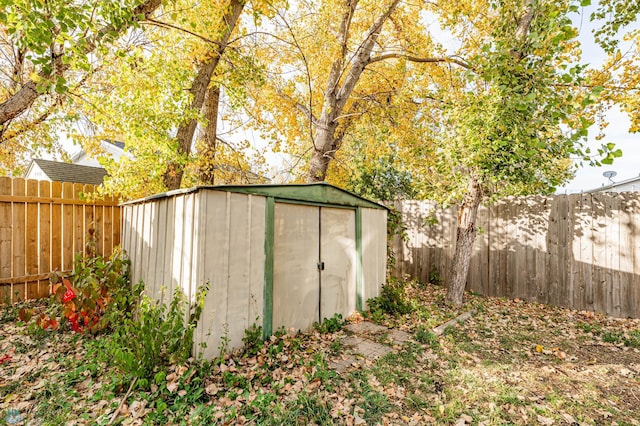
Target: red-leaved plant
[(97, 293)]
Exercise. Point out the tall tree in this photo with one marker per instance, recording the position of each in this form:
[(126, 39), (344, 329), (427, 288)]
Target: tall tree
[(331, 63), (517, 120), (198, 90), (48, 48), (508, 122), (159, 97)]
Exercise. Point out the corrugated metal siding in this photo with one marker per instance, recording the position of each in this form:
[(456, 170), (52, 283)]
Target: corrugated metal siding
[(374, 252), (231, 259), (184, 241), (160, 238)]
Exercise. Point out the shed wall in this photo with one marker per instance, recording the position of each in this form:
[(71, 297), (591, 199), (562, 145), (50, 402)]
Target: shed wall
[(374, 253), (231, 258), (217, 236), (191, 239), (159, 238)]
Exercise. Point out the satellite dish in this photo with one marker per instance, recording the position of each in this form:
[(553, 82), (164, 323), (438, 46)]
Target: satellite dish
[(609, 174)]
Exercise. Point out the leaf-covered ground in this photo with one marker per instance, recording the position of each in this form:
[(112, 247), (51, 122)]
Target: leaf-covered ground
[(513, 362)]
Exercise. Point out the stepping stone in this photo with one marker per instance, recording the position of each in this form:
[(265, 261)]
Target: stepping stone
[(371, 350), (366, 348), (399, 337), (365, 327)]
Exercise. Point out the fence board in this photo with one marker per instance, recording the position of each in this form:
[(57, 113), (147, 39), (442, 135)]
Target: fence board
[(635, 293), (44, 246), (6, 241), (614, 245), (78, 220), (580, 251), (32, 252), (67, 228), (18, 290), (57, 227), (42, 226), (627, 233)]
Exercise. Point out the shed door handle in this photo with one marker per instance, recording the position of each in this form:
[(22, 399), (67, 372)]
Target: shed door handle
[(320, 266)]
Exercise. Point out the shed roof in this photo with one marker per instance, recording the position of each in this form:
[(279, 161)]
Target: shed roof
[(321, 193), (67, 172)]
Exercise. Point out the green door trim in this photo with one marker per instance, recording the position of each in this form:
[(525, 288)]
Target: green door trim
[(269, 224), (267, 321), (359, 259)]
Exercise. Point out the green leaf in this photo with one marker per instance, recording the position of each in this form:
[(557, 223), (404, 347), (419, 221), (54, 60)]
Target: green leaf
[(585, 3)]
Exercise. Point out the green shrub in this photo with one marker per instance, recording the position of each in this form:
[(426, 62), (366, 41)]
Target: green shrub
[(392, 299), (155, 335), (252, 340), (95, 296), (330, 325)]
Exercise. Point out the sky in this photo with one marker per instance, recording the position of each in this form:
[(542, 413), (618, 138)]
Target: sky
[(626, 167)]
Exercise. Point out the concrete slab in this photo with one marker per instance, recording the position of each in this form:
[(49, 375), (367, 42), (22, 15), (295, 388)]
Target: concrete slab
[(358, 350), (365, 327)]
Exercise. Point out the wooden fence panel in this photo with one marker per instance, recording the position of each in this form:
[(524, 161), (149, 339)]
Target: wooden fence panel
[(56, 223), (42, 227), (18, 290), (6, 238), (581, 251), (45, 256)]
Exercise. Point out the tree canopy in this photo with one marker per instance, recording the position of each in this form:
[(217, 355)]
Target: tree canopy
[(47, 51), (359, 92)]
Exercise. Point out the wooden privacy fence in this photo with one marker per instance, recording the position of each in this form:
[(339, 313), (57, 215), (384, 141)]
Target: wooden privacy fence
[(42, 226), (580, 251)]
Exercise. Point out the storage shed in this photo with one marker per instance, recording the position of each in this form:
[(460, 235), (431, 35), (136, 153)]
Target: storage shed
[(274, 255)]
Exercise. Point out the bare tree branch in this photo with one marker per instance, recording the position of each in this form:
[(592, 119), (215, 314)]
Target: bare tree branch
[(162, 24), (449, 60)]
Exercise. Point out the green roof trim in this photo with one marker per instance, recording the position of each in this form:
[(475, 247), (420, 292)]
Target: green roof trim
[(322, 193)]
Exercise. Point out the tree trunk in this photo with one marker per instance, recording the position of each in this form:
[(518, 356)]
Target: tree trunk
[(468, 213), (465, 238), (324, 148), (208, 149), (337, 93), (175, 169)]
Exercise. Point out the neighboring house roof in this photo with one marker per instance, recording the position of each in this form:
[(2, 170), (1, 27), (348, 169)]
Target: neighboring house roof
[(118, 144), (65, 172), (632, 184), (112, 149)]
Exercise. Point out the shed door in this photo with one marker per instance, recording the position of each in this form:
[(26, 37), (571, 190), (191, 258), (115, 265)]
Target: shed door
[(314, 264), (337, 251)]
